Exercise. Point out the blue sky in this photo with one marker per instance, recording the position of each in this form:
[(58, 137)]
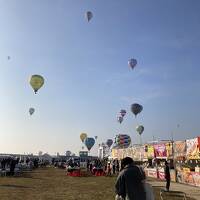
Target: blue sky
[(87, 79)]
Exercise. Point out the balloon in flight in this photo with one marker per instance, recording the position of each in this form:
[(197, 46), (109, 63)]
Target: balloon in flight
[(140, 129), (31, 111), (132, 63), (122, 140), (109, 142), (83, 136), (136, 108), (88, 15), (122, 112), (36, 82), (89, 143), (120, 119)]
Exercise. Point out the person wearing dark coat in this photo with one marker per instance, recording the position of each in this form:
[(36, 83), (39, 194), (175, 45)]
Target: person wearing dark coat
[(167, 175), (129, 183)]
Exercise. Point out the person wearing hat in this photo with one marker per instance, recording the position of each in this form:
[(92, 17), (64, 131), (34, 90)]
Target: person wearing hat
[(129, 184)]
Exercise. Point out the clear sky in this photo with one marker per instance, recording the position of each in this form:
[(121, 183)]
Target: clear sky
[(87, 79)]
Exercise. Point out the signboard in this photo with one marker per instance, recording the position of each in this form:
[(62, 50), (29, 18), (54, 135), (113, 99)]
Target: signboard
[(179, 149), (190, 178), (151, 172), (160, 150), (192, 149)]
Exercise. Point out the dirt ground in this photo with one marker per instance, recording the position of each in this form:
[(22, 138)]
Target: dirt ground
[(53, 184)]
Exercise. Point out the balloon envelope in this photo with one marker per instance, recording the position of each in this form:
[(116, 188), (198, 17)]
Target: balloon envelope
[(136, 108), (88, 15), (109, 142), (122, 112), (140, 129), (89, 143), (132, 63), (36, 82), (31, 111), (122, 140), (120, 119), (83, 136)]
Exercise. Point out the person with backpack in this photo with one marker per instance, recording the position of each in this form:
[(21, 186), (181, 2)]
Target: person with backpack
[(130, 185)]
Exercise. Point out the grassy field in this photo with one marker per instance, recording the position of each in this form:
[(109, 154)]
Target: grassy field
[(52, 184)]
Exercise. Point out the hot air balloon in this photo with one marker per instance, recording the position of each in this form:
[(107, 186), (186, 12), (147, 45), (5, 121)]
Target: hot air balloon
[(36, 81), (120, 119), (83, 136), (132, 63), (88, 15), (136, 108), (89, 143), (95, 137), (122, 140), (122, 112), (109, 142), (140, 129), (31, 111), (8, 57)]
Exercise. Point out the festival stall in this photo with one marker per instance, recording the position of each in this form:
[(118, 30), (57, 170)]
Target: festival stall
[(188, 168)]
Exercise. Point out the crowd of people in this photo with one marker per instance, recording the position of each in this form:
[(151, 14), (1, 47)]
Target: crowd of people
[(10, 166)]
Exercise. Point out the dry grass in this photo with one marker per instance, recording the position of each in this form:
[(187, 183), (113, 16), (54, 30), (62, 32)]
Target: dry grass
[(52, 184)]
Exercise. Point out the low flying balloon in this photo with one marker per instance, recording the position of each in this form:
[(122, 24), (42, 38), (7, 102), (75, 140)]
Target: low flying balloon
[(122, 112), (120, 119), (31, 111), (132, 63), (83, 136), (36, 81), (88, 15), (140, 129), (122, 140), (109, 142), (89, 143), (136, 108)]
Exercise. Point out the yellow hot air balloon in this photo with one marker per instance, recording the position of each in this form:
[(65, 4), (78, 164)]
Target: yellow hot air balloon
[(83, 136), (36, 82)]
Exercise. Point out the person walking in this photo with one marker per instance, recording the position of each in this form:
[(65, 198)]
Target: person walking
[(130, 181), (167, 175)]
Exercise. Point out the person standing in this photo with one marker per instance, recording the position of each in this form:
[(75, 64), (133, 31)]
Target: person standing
[(113, 167), (167, 175), (130, 181)]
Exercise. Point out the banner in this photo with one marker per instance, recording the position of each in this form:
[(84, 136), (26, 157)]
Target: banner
[(160, 150), (192, 149), (190, 178), (150, 153), (169, 148), (179, 149)]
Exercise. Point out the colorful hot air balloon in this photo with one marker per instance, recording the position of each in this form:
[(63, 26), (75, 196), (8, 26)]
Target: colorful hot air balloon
[(122, 112), (88, 15), (83, 136), (140, 129), (122, 140), (36, 81), (109, 142), (120, 119), (132, 63), (31, 111), (89, 143), (136, 108)]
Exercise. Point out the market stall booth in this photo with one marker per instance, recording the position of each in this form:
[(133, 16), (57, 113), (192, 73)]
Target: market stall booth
[(188, 167)]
